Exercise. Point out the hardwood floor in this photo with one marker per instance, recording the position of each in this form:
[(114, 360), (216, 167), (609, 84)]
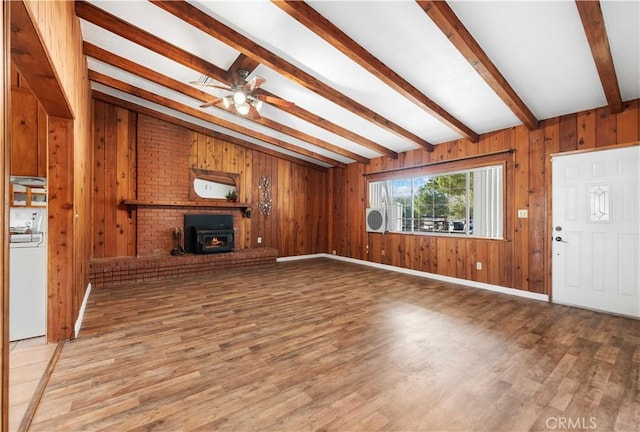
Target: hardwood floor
[(29, 362), (322, 345)]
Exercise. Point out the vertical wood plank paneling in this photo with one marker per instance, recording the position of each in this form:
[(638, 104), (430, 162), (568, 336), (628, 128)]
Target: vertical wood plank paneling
[(330, 206), (193, 150), (110, 187), (537, 211), (272, 164), (506, 261), (356, 207), (628, 129), (283, 206), (586, 130), (60, 236), (421, 257), (551, 146), (397, 249), (98, 179), (245, 196), (493, 263), (5, 164), (320, 208), (24, 137), (520, 196), (122, 181), (461, 258), (215, 153), (470, 254), (43, 128), (341, 224), (606, 127), (568, 133)]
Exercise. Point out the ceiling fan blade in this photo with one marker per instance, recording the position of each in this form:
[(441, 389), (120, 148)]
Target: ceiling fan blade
[(275, 101), (218, 86), (211, 103), (254, 83), (253, 113)]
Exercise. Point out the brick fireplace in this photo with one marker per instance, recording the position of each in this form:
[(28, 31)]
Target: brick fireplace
[(163, 163)]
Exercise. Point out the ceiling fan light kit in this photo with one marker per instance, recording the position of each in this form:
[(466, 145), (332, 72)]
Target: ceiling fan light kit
[(243, 108), (239, 98)]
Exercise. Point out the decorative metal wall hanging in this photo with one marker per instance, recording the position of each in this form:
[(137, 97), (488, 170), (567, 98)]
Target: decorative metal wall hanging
[(264, 203)]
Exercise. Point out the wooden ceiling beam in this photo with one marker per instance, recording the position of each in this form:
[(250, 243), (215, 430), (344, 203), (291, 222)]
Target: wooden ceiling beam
[(197, 128), (240, 63), (593, 23), (33, 62), (444, 17), (324, 28), (225, 34), (166, 102), (115, 25), (189, 90)]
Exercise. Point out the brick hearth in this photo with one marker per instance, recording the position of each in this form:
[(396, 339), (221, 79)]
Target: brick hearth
[(117, 271)]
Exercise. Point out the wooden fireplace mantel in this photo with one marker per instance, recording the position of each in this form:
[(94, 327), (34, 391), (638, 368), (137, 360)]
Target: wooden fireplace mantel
[(133, 204)]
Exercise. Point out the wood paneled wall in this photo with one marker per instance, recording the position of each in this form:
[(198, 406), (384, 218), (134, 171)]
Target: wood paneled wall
[(298, 222), (520, 261), (58, 31), (5, 163), (114, 179)]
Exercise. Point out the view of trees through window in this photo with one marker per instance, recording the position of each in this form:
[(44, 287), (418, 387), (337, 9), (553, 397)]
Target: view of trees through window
[(442, 203)]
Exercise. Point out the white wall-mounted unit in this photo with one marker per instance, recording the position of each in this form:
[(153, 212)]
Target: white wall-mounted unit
[(376, 220)]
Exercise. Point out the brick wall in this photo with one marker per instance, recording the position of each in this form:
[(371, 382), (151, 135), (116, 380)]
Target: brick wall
[(163, 161)]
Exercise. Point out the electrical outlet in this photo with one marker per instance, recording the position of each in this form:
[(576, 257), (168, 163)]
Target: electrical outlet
[(478, 265), (523, 213), (259, 240)]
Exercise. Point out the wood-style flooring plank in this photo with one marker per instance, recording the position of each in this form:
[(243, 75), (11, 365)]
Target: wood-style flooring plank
[(322, 345)]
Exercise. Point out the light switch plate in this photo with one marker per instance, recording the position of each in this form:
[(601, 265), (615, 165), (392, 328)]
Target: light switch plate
[(523, 213)]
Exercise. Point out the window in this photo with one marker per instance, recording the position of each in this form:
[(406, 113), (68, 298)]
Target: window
[(468, 202)]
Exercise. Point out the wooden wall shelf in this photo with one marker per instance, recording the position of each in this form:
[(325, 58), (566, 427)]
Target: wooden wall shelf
[(132, 204)]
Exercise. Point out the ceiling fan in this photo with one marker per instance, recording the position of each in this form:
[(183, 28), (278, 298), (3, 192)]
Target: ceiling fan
[(243, 99)]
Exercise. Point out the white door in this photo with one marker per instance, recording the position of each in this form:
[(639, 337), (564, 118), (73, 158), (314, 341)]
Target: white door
[(596, 230)]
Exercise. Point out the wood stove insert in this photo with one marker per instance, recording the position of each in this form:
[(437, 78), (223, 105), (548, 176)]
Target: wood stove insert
[(204, 234)]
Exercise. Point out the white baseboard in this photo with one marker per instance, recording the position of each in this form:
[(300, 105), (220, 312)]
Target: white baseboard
[(469, 283), (302, 257), (78, 325)]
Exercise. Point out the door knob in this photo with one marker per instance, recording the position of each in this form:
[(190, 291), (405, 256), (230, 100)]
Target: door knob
[(559, 239)]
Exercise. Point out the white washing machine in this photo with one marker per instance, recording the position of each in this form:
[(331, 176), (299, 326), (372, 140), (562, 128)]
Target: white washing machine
[(27, 273)]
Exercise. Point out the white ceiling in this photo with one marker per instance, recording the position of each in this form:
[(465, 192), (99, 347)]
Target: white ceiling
[(539, 47)]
